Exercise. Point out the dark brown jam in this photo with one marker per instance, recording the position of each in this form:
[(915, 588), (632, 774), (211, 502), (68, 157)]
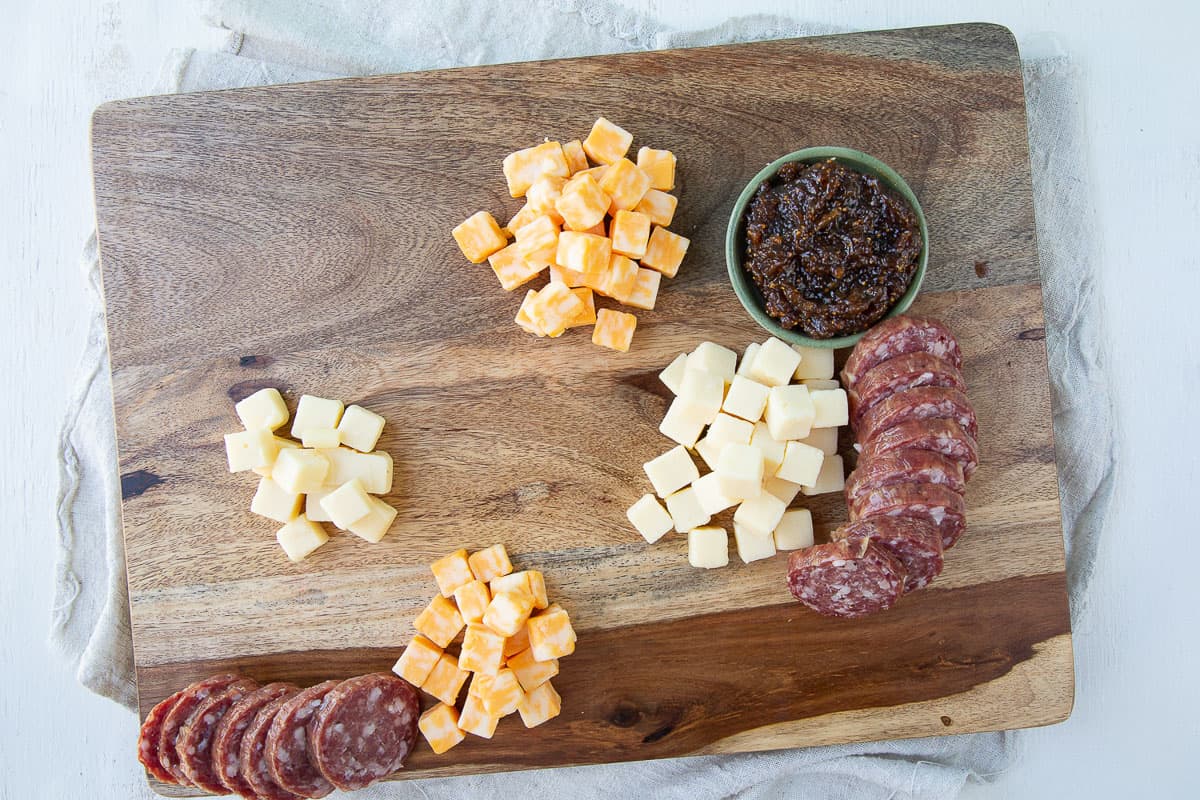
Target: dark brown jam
[(830, 249)]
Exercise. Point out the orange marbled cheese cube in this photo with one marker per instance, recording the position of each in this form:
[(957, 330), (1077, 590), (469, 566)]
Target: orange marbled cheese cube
[(645, 290), (523, 217), (512, 270), (529, 581), (517, 642), (543, 196), (614, 329), (501, 694), (439, 726), (439, 622), (665, 251), (576, 158), (508, 611), (551, 635), (625, 184), (596, 172), (630, 231), (482, 650), (583, 252), (587, 315), (553, 309), (490, 562), (537, 241), (659, 165), (659, 207), (452, 571), (523, 319), (582, 204), (606, 142), (472, 600), (479, 236), (621, 278), (540, 705), (524, 167), (417, 660), (475, 718), (530, 672), (446, 679)]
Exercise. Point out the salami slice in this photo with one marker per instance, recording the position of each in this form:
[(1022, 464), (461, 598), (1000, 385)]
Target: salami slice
[(943, 436), (253, 753), (904, 466), (900, 336), (193, 745), (287, 744), (227, 740), (897, 375), (846, 579), (364, 730), (924, 402), (149, 735), (934, 502), (180, 714), (916, 542)]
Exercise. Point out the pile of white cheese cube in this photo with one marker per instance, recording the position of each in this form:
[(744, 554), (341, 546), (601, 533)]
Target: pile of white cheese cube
[(767, 429), (331, 474)]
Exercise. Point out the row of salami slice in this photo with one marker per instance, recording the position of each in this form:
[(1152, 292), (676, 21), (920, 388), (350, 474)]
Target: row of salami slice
[(229, 735), (916, 436)]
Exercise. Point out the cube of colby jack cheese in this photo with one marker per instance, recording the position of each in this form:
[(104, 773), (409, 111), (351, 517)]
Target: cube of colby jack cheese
[(644, 294), (583, 252), (347, 504), (472, 600), (790, 411), (375, 525), (300, 537), (659, 165), (417, 660), (321, 438), (740, 471), (815, 363), (251, 450), (774, 363), (554, 308), (630, 232), (445, 680), (658, 206), (315, 412), (551, 635), (760, 514), (614, 330), (746, 399), (540, 705), (263, 409), (482, 650), (524, 320), (625, 184), (672, 376), (511, 269), (621, 279), (439, 622), (537, 241), (528, 581), (832, 477), (801, 464), (524, 167), (795, 530), (575, 155), (360, 428), (479, 236), (544, 193), (686, 511), (530, 672), (708, 548), (439, 726), (607, 143), (490, 562), (671, 471), (475, 719), (713, 358), (520, 219), (508, 611), (373, 469), (830, 408), (665, 252), (517, 643), (300, 471), (752, 545), (272, 502), (582, 204), (452, 571), (650, 519), (502, 693)]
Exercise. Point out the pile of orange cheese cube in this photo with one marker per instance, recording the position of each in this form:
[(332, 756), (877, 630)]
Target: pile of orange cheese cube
[(597, 229), (510, 649)]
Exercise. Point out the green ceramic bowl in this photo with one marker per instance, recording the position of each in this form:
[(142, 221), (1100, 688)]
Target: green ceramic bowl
[(748, 293)]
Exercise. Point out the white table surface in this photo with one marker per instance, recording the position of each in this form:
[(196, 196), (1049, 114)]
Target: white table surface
[(1137, 703)]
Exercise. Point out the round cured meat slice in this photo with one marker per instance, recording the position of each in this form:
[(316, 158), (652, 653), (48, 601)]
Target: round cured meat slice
[(193, 745), (253, 753), (943, 436), (180, 714), (924, 402), (930, 501), (846, 579), (227, 740), (897, 375), (149, 735), (900, 336), (904, 466), (364, 730), (916, 542), (288, 755)]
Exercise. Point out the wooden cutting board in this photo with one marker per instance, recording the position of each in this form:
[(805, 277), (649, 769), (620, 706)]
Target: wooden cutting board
[(299, 237)]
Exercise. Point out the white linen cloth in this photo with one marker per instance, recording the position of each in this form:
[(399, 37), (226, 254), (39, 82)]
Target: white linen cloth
[(285, 41)]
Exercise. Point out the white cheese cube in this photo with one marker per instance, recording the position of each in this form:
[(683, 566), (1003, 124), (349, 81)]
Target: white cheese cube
[(250, 449), (795, 530), (708, 548), (272, 502), (300, 471), (375, 525), (713, 358), (772, 450), (373, 469), (703, 392), (815, 362), (347, 504), (680, 424), (263, 409), (820, 383), (672, 376), (801, 464), (300, 537), (315, 412), (824, 439), (832, 478), (312, 506), (774, 363), (784, 490), (726, 429), (361, 428), (711, 496), (748, 358), (740, 471), (790, 412), (265, 472), (322, 438), (746, 398), (651, 519), (685, 510), (760, 514), (752, 545), (830, 408), (671, 471), (709, 451)]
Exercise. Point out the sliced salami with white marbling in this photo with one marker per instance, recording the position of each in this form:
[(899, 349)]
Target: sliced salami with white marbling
[(364, 730), (847, 579)]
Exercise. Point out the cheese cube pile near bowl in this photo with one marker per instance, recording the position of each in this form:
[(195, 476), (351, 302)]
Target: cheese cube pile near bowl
[(767, 429), (561, 229)]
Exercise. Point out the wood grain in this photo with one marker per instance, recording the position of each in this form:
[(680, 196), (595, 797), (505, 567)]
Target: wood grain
[(298, 237)]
